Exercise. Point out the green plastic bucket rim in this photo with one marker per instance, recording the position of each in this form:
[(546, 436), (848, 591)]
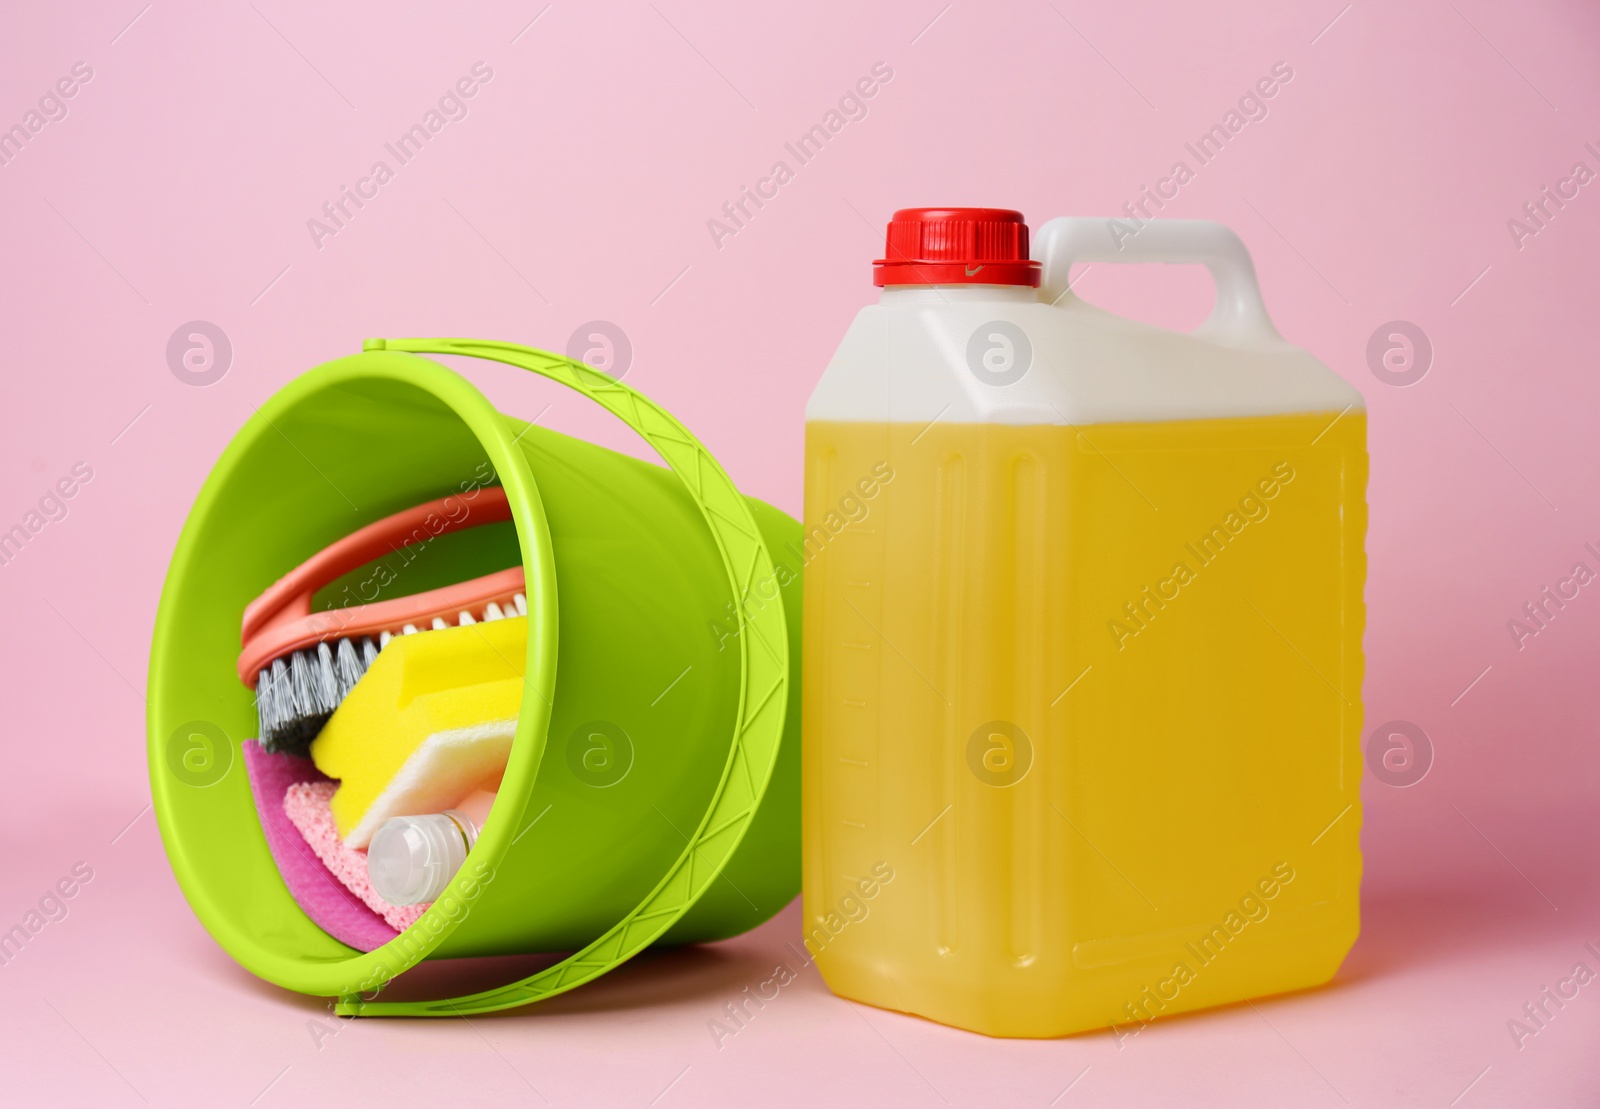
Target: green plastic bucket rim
[(763, 659)]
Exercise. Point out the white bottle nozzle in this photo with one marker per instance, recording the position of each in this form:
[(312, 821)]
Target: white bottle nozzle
[(412, 858)]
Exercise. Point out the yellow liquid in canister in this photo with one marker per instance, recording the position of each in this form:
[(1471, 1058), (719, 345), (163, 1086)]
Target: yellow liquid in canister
[(1082, 715)]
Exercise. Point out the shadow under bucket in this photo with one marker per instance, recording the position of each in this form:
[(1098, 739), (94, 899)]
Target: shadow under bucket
[(654, 608)]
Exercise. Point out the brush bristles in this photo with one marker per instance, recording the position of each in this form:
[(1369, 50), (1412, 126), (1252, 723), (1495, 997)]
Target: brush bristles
[(296, 694)]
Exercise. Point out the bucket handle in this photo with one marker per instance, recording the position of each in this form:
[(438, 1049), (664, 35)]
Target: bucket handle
[(1238, 318), (763, 646)]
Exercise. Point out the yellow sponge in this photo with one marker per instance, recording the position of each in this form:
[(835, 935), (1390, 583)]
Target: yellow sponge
[(431, 720)]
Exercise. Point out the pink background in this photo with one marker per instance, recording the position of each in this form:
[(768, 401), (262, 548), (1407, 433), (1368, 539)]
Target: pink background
[(1378, 188)]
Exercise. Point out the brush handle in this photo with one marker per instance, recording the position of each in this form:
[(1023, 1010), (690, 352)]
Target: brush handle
[(291, 594), (280, 621)]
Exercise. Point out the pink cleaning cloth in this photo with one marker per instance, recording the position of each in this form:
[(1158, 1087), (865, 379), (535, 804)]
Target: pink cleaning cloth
[(330, 906), (307, 805)]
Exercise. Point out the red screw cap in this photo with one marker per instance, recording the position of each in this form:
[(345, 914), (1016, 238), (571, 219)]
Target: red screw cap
[(956, 246)]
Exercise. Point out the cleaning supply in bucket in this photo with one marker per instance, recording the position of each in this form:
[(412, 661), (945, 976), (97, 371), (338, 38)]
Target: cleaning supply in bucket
[(302, 664), (1087, 671), (412, 858), (433, 718), (293, 800), (329, 903), (306, 805), (464, 678), (687, 830)]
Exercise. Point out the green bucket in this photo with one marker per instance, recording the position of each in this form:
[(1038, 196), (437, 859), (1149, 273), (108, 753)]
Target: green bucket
[(652, 607)]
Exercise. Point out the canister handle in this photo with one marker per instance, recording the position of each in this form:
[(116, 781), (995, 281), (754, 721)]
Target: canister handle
[(1239, 317)]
